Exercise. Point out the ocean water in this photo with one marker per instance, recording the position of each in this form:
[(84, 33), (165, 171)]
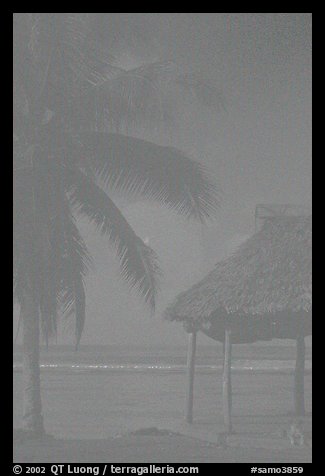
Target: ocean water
[(104, 391), (119, 358)]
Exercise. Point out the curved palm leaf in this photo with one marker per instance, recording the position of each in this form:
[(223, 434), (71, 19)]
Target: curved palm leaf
[(75, 261), (125, 98), (61, 55), (161, 173), (50, 248), (138, 261), (139, 95), (72, 302)]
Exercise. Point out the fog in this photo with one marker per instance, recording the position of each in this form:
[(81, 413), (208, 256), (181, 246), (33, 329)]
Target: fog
[(257, 144), (162, 239)]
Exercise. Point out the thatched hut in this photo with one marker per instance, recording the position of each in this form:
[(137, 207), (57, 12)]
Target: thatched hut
[(262, 291)]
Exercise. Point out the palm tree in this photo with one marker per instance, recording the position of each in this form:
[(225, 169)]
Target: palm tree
[(70, 106)]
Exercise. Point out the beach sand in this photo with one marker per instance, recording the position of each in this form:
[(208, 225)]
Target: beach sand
[(91, 416), (148, 449)]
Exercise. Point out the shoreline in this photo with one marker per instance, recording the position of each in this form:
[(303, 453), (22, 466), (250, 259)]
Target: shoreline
[(173, 448), (92, 414)]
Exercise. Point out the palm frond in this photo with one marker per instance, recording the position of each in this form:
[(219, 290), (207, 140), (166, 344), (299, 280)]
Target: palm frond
[(48, 312), (58, 259), (138, 167), (76, 258), (61, 54), (80, 305), (75, 264), (138, 262), (48, 281), (127, 98), (26, 224), (72, 302)]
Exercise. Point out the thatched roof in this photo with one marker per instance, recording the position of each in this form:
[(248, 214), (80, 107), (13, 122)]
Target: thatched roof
[(270, 274)]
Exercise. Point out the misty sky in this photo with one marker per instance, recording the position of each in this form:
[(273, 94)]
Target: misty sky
[(258, 147)]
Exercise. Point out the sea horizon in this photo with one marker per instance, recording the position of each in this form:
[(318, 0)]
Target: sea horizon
[(166, 358)]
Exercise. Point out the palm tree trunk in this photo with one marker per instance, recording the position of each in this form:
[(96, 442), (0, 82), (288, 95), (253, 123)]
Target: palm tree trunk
[(226, 387), (32, 406), (299, 393)]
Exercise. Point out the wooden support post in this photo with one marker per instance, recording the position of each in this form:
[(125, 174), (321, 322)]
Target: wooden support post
[(226, 387), (299, 391), (229, 370), (190, 376), (223, 355)]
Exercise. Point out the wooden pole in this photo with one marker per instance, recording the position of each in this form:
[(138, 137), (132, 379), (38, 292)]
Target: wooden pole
[(226, 387), (229, 370), (190, 376), (299, 391)]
